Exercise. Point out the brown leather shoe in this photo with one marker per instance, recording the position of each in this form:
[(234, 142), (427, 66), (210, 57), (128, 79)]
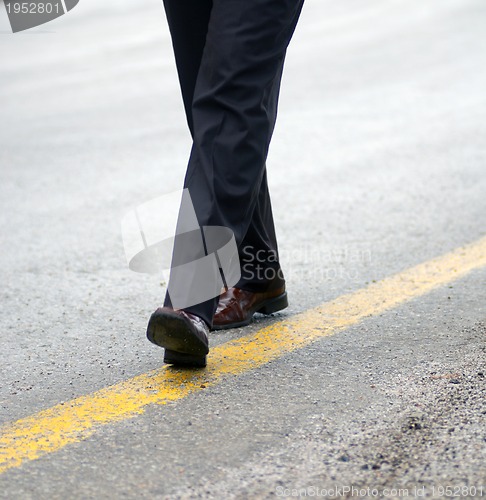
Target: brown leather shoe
[(236, 307), (183, 335)]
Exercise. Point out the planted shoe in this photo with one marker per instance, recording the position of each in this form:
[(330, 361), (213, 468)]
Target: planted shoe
[(236, 307)]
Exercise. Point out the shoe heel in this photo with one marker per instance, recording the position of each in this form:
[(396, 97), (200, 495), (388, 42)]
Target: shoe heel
[(183, 359), (275, 304)]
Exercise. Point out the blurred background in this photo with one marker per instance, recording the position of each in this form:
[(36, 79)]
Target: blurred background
[(378, 158)]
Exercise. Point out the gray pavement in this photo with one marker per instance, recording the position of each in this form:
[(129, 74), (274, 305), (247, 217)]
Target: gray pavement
[(378, 163)]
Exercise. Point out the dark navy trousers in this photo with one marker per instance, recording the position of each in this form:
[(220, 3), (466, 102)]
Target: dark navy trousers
[(230, 56)]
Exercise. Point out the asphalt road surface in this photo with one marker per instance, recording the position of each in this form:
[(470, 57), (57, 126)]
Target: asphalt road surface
[(378, 164)]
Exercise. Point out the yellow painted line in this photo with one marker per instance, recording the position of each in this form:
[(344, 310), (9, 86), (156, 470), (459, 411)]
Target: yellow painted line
[(52, 429)]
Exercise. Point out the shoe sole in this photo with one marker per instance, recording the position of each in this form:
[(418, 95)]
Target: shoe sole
[(182, 346), (181, 359), (270, 306)]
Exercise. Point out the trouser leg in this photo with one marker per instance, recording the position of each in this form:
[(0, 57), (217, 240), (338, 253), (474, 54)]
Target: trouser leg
[(258, 252), (188, 23), (232, 116)]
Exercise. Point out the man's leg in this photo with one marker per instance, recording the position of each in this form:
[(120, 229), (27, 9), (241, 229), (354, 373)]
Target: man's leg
[(258, 251), (232, 117), (188, 22)]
